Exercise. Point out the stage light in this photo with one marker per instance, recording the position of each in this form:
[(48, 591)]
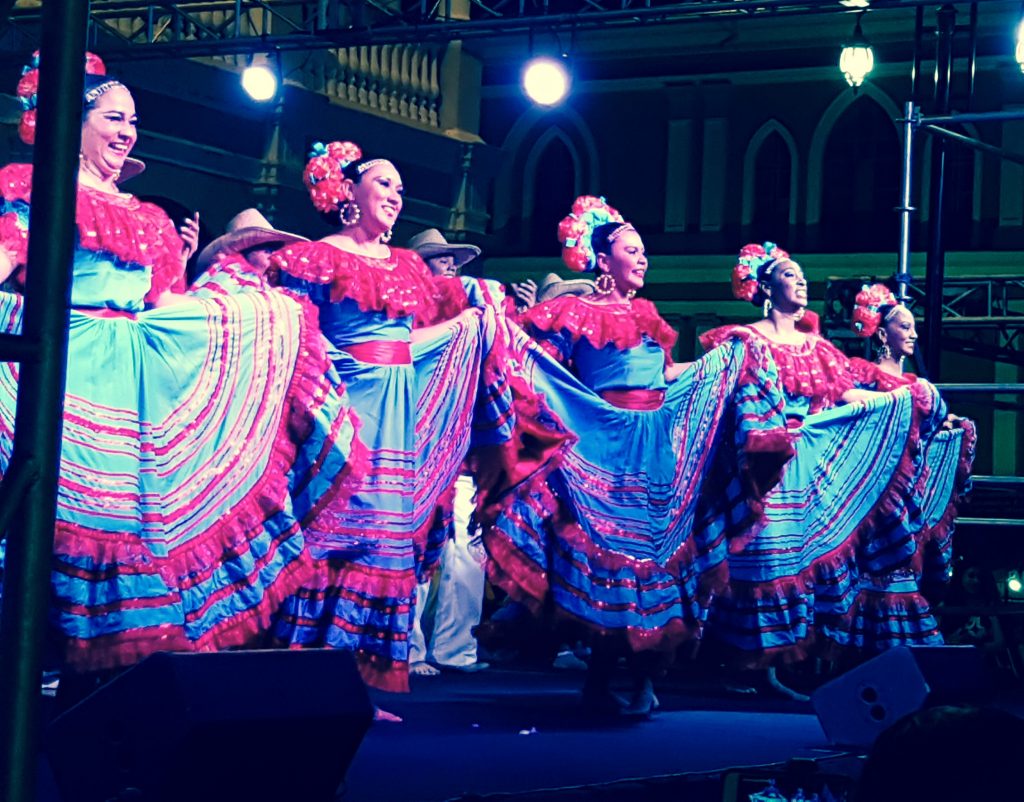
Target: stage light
[(855, 3), (1013, 583), (1019, 53), (259, 79), (546, 80), (857, 58)]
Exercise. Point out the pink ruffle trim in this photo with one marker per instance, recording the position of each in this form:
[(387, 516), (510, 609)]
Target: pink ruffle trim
[(602, 325), (449, 300), (123, 226), (398, 285), (816, 370)]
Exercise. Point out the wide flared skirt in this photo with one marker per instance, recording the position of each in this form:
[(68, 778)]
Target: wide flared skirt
[(417, 423), (197, 440), (609, 540), (836, 559)]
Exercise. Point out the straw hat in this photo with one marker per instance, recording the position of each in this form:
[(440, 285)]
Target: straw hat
[(247, 229), (431, 243), (554, 286), (131, 168)]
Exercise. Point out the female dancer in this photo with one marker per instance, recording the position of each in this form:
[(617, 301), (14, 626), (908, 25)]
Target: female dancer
[(415, 392), (196, 436), (608, 540), (842, 505), (941, 480)]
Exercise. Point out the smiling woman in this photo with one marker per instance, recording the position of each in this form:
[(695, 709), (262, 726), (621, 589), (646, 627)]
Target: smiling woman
[(197, 438), (416, 391)]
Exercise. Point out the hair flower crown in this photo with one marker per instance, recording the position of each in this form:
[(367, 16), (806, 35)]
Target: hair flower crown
[(28, 90), (325, 172), (751, 267), (576, 229), (867, 309)]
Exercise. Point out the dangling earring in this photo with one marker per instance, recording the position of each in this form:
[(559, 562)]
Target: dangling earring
[(766, 307), (884, 352), (387, 235), (604, 284), (631, 295), (349, 213)]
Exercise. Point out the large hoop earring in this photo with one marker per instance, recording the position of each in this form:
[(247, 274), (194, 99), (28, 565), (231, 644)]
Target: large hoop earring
[(766, 307), (387, 235), (349, 213), (884, 352), (604, 284)]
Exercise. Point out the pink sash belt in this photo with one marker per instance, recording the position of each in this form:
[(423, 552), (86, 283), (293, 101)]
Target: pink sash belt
[(102, 311), (644, 400), (381, 352)]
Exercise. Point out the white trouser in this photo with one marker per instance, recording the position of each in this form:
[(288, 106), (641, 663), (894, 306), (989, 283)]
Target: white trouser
[(458, 595)]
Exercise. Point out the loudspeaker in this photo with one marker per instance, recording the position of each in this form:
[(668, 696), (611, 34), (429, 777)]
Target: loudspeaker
[(253, 725), (857, 706)]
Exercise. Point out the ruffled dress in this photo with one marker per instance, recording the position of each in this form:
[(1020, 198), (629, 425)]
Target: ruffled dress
[(421, 407), (197, 439), (941, 480), (840, 511), (608, 538)]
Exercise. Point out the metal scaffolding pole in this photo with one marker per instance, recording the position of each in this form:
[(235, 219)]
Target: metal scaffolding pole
[(905, 210), (29, 491), (936, 265)]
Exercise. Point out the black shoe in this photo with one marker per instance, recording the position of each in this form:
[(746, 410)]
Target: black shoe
[(643, 704)]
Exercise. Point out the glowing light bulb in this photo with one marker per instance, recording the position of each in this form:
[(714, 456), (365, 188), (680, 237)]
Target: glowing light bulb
[(546, 81)]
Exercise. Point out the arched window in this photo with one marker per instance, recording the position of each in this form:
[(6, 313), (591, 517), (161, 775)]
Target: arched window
[(772, 190), (553, 191), (861, 181)]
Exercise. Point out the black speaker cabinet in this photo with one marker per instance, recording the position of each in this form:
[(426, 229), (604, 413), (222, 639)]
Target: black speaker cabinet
[(252, 725), (857, 706)]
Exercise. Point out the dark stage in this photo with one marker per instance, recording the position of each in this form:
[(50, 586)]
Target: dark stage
[(507, 732)]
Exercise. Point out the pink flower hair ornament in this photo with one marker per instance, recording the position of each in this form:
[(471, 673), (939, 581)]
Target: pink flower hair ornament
[(575, 231), (867, 314), (749, 268), (325, 172), (28, 88)]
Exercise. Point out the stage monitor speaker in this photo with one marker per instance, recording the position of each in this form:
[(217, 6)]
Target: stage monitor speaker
[(857, 706), (247, 725)]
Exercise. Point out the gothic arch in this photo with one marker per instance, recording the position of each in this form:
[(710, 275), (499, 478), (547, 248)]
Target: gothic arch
[(824, 128), (552, 134), (772, 126), (533, 125)]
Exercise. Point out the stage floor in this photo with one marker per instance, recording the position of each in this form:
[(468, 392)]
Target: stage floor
[(507, 731)]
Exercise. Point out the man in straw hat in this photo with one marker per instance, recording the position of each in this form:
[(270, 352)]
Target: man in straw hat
[(554, 286), (250, 235), (457, 596), (442, 257)]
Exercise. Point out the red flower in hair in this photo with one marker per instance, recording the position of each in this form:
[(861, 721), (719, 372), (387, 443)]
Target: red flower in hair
[(29, 84), (585, 203), (867, 315), (345, 152), (576, 258), (27, 127), (753, 250), (94, 65), (744, 287), (571, 228)]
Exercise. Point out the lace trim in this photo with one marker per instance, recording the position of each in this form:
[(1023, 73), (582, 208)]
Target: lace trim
[(601, 324), (398, 285)]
